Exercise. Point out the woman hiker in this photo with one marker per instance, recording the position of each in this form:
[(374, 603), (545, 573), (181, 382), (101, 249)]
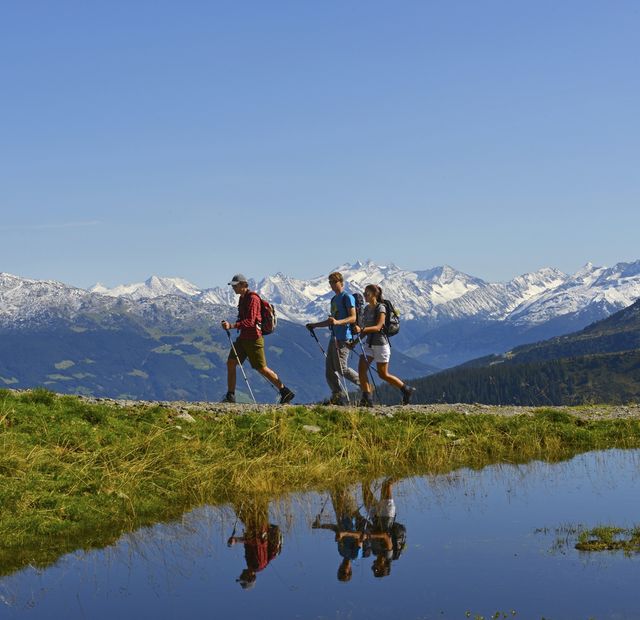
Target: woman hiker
[(376, 347)]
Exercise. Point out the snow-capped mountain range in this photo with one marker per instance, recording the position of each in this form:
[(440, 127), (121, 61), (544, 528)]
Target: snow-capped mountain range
[(438, 294), (435, 295), (153, 287), (29, 304)]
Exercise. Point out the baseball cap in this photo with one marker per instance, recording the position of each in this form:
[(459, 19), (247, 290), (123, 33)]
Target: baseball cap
[(237, 279), (247, 579)]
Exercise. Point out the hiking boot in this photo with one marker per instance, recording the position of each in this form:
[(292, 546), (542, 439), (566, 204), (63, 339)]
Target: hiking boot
[(337, 399), (365, 402), (407, 393), (229, 397), (286, 395)]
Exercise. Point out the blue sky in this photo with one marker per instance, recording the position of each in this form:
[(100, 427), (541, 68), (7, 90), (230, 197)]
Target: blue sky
[(197, 139)]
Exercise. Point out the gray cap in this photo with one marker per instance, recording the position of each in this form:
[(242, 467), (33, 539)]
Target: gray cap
[(247, 579), (237, 279)]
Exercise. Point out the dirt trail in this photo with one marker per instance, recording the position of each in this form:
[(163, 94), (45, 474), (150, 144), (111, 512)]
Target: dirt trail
[(590, 412)]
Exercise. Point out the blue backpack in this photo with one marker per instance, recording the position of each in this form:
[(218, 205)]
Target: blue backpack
[(359, 305)]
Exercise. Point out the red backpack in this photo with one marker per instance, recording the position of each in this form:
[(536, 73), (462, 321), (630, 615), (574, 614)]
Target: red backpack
[(268, 317), (263, 548)]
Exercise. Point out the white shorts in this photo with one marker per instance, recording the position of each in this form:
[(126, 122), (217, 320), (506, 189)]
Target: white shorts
[(383, 514), (385, 508), (381, 353)]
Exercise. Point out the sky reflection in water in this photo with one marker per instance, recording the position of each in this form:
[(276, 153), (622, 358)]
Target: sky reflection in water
[(477, 542)]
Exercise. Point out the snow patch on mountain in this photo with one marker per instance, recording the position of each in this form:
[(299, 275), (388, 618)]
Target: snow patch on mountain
[(26, 302), (414, 293), (496, 301), (607, 288), (150, 288)]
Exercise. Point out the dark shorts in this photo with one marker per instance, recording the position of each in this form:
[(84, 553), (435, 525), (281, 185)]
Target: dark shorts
[(252, 349)]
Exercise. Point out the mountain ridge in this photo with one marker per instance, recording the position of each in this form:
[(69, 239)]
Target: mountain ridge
[(447, 316), (436, 294), (600, 363)]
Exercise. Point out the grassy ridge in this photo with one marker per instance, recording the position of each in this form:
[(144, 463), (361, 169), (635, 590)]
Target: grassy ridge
[(74, 474)]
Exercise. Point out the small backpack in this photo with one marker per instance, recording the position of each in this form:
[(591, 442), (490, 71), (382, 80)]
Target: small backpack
[(391, 319), (274, 544), (359, 305), (359, 299), (398, 539), (268, 317)]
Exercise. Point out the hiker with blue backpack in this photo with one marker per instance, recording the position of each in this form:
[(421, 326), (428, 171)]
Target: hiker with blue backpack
[(377, 319), (340, 321), (253, 314), (349, 529)]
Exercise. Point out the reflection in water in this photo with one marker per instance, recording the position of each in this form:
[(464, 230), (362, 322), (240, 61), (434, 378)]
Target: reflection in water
[(377, 534), (262, 540), (481, 529), (387, 537), (349, 529)]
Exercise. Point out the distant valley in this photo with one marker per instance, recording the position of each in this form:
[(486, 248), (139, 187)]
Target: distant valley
[(161, 339)]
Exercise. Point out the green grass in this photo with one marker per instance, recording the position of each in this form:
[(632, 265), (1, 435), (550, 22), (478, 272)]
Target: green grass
[(76, 475), (610, 538), (598, 538)]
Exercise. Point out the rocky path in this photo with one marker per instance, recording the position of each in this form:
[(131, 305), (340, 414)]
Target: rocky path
[(592, 412)]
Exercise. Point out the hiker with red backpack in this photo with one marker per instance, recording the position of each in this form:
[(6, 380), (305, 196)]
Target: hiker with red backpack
[(262, 540), (250, 342), (376, 319)]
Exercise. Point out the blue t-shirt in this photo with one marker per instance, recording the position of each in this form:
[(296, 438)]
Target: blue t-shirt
[(340, 306), (348, 546)]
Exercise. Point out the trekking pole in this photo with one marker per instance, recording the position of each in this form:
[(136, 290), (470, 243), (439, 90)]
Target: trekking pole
[(375, 387), (241, 368), (324, 505), (271, 384), (344, 381), (233, 534), (235, 525), (318, 518), (341, 373), (316, 339)]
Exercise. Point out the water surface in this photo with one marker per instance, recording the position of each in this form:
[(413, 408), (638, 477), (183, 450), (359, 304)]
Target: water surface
[(475, 543)]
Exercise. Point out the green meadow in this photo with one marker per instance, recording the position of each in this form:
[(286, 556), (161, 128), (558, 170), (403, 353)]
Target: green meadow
[(79, 475)]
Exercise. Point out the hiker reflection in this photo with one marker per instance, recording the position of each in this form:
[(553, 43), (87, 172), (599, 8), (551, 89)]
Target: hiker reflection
[(349, 530), (262, 540), (386, 537)]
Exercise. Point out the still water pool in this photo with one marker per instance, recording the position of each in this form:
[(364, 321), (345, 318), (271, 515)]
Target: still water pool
[(468, 544)]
